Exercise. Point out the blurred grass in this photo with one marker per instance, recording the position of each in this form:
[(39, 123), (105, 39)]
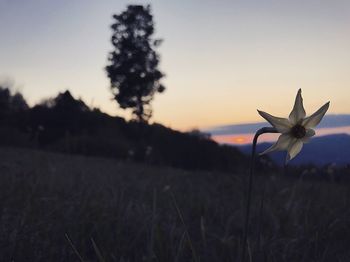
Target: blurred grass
[(58, 207)]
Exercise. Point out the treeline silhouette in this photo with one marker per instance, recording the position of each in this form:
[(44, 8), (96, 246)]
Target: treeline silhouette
[(68, 125)]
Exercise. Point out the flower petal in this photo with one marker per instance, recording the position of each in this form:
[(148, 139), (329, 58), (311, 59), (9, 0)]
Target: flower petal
[(298, 112), (316, 117), (281, 124), (309, 133), (294, 149), (306, 139), (281, 144)]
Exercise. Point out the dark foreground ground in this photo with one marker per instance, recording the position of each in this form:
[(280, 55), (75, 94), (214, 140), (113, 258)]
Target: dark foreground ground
[(68, 208)]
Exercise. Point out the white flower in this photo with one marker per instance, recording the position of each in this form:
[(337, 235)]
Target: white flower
[(296, 130)]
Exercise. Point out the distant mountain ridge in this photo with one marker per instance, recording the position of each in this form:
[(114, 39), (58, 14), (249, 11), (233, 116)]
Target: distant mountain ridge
[(330, 149)]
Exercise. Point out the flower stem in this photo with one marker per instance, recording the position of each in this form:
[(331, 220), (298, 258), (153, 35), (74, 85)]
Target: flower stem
[(261, 131)]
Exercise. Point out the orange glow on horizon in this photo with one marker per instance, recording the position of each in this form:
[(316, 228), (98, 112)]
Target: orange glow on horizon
[(240, 140)]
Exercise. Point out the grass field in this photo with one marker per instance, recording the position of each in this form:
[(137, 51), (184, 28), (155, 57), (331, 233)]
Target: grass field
[(69, 208)]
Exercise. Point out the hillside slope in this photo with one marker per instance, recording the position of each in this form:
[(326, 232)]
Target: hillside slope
[(65, 124)]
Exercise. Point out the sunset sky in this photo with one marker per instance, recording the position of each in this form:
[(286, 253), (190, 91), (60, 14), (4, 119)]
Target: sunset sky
[(222, 59)]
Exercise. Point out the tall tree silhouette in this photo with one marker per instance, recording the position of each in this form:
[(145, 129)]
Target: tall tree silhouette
[(133, 64)]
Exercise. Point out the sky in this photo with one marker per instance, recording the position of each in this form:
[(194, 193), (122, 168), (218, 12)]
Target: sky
[(222, 59)]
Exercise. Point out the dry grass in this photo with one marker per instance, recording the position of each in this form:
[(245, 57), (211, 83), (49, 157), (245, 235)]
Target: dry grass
[(69, 208)]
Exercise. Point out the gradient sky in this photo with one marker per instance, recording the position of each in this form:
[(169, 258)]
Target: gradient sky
[(223, 59)]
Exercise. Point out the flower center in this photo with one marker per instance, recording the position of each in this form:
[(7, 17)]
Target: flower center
[(298, 131)]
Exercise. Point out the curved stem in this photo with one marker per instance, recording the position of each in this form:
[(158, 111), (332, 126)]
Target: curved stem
[(261, 131)]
